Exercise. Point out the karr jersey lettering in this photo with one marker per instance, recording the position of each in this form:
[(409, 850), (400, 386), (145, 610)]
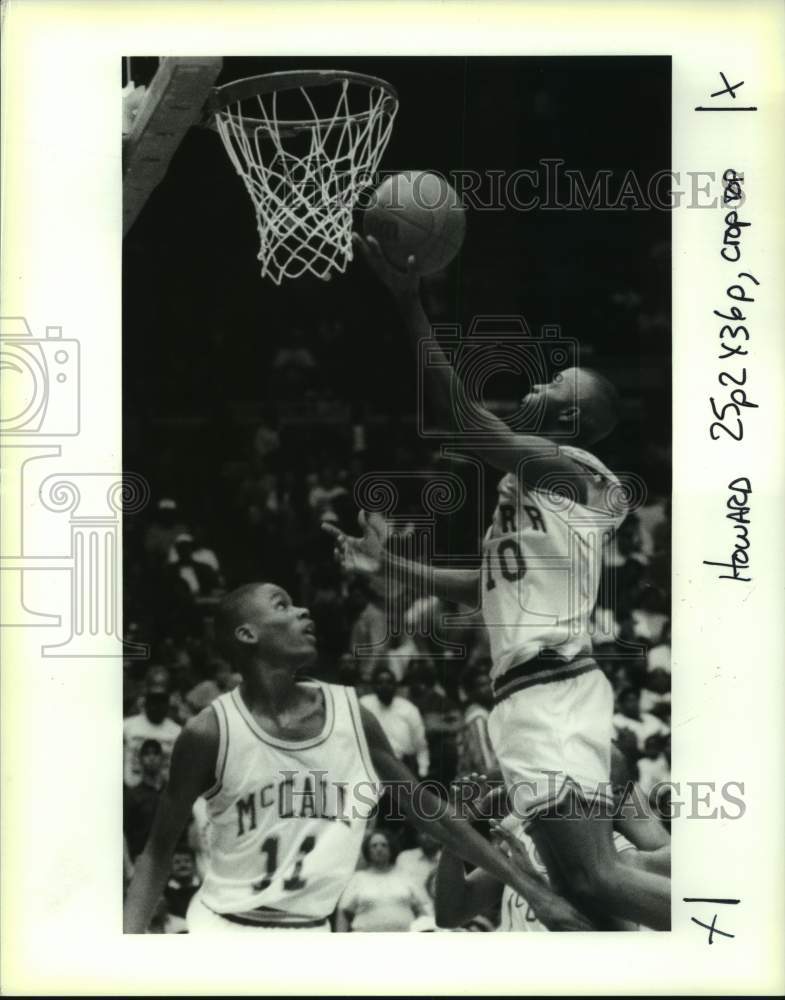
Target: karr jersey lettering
[(542, 559), (287, 819)]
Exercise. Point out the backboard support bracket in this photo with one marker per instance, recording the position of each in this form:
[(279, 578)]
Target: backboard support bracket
[(174, 103)]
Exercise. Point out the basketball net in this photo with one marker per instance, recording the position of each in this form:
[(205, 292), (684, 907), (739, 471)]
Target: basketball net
[(305, 177)]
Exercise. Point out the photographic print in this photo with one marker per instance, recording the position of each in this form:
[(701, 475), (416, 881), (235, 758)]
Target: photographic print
[(372, 446), (389, 471)]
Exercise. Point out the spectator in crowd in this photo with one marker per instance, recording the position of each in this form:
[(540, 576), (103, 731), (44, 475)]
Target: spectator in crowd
[(441, 717), (476, 752), (401, 721), (653, 766), (151, 723), (165, 526), (200, 553), (650, 615), (656, 694), (650, 518), (325, 494), (293, 366), (181, 887), (141, 801), (419, 863), (641, 724), (223, 678), (370, 625), (329, 614), (659, 655), (267, 440), (623, 569), (379, 897), (201, 578)]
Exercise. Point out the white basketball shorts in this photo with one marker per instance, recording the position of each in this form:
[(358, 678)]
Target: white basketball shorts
[(551, 736)]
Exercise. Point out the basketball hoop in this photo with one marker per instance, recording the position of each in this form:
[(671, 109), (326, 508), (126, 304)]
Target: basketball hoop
[(305, 154)]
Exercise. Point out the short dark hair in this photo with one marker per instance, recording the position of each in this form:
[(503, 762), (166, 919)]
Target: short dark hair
[(599, 419), (150, 746), (230, 614)]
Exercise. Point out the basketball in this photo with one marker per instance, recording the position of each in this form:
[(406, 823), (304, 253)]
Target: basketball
[(416, 213)]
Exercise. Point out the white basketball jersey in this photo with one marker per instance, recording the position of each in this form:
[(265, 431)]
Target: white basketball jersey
[(542, 558), (287, 819), (516, 914)]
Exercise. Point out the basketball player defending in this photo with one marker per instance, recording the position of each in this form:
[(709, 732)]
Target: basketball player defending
[(551, 725), (290, 771)]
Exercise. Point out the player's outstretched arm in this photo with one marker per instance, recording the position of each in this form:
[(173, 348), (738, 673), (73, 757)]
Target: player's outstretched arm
[(530, 456), (369, 556), (427, 813), (191, 773)]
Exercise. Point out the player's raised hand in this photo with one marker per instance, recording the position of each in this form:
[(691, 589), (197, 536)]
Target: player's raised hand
[(398, 281), (363, 555)]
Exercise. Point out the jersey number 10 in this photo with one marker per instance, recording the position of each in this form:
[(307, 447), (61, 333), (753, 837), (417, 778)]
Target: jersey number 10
[(509, 560)]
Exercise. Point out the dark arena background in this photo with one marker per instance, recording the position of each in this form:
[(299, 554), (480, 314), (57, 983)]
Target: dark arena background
[(252, 409)]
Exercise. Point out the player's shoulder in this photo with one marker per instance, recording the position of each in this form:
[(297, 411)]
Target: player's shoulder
[(603, 490), (201, 729), (586, 460)]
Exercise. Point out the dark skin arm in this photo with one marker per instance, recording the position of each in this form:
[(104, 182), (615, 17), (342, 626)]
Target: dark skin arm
[(427, 813), (192, 772), (529, 456), (459, 896)]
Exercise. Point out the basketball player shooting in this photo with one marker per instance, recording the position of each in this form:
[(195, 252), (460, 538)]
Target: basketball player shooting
[(551, 725), (290, 769)]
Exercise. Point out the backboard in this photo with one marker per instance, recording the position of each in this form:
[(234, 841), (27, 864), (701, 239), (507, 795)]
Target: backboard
[(172, 103)]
